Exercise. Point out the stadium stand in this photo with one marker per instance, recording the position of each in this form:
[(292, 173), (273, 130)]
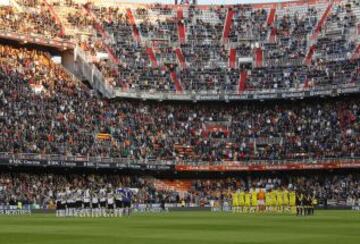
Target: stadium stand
[(32, 84), (48, 112), (205, 49), (281, 44)]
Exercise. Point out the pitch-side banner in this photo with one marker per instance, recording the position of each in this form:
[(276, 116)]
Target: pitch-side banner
[(290, 166), (84, 164), (226, 166)]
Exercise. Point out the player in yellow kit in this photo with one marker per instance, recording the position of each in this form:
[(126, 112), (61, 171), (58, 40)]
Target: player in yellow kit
[(273, 200), (247, 202), (279, 200), (235, 204), (241, 201), (268, 201), (286, 200), (254, 201), (292, 201)]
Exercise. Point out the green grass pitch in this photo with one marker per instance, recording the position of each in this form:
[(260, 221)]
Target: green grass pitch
[(326, 227)]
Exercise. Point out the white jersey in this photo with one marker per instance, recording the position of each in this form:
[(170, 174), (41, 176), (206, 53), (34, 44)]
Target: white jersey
[(58, 197), (63, 197), (87, 196), (70, 197), (95, 199), (118, 195), (79, 195), (102, 194), (110, 198)]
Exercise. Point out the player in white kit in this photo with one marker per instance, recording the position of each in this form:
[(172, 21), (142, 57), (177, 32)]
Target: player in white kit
[(60, 204), (95, 206), (103, 199), (110, 202), (119, 205), (78, 202), (70, 202), (86, 200), (63, 203)]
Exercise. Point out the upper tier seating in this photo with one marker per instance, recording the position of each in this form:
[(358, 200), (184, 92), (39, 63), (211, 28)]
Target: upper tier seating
[(204, 49), (147, 41)]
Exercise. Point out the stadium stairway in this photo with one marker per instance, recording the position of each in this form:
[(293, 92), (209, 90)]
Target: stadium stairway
[(322, 21), (309, 55), (55, 17), (270, 22), (132, 22), (105, 36), (177, 82), (152, 57), (258, 53), (63, 12), (96, 23), (271, 17), (69, 29), (311, 47), (111, 54), (232, 58), (228, 22), (272, 35), (180, 25), (242, 81), (180, 57)]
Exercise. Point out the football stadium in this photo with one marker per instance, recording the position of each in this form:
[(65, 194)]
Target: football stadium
[(179, 121)]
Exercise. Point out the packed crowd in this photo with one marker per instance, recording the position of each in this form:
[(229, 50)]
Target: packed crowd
[(45, 111), (41, 190), (35, 21)]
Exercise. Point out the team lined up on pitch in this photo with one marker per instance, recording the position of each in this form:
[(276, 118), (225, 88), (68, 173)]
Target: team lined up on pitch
[(104, 202), (275, 201)]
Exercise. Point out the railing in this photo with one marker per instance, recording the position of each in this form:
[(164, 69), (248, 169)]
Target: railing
[(266, 94), (282, 62), (332, 57)]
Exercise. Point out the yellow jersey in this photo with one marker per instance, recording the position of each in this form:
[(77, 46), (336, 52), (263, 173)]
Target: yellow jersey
[(241, 198), (268, 198), (286, 197), (292, 198), (280, 197), (254, 200), (235, 199), (273, 198), (247, 199)]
